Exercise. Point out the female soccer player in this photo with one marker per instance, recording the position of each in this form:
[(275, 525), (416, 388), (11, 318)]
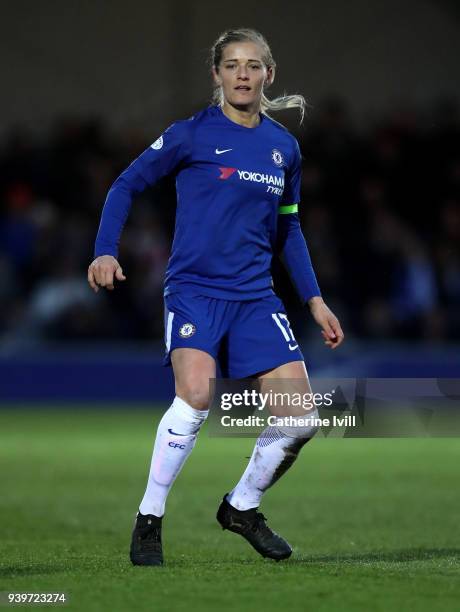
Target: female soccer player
[(238, 180)]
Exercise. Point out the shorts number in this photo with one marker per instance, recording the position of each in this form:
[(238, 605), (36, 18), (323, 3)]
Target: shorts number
[(285, 329)]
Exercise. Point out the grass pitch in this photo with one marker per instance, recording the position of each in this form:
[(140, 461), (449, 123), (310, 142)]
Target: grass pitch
[(374, 523)]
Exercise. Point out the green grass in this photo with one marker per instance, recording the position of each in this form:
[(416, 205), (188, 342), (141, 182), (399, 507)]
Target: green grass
[(374, 523)]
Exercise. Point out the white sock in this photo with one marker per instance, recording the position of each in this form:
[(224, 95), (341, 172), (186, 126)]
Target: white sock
[(273, 455), (175, 439)]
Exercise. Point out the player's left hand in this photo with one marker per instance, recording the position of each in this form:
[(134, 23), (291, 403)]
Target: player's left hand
[(326, 319)]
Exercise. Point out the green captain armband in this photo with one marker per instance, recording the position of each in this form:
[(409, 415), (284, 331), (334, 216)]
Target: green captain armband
[(288, 209)]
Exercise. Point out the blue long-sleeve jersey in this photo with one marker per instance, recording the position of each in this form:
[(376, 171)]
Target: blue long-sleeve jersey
[(238, 190)]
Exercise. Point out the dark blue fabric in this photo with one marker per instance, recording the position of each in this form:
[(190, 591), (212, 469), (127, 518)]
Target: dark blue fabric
[(230, 182), (245, 337), (294, 254)]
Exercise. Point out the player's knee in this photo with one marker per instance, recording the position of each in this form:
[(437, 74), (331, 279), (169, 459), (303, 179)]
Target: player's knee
[(195, 394), (302, 427)]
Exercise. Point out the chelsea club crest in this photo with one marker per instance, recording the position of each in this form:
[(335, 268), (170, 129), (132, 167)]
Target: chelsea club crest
[(187, 330), (277, 158)]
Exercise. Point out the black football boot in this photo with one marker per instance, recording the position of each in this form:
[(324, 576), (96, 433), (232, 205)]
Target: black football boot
[(146, 548), (251, 525)]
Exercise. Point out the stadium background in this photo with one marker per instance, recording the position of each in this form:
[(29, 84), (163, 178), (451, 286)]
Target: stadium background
[(86, 86)]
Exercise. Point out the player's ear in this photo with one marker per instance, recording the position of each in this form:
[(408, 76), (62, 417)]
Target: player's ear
[(270, 76), (216, 77)]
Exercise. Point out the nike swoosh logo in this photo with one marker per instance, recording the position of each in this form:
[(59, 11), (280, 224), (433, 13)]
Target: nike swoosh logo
[(219, 152), (293, 348), (173, 433)]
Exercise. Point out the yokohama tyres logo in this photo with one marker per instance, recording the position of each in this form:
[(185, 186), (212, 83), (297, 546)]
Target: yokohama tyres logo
[(256, 177)]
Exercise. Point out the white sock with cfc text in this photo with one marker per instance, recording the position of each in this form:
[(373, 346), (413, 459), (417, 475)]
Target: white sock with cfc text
[(176, 436)]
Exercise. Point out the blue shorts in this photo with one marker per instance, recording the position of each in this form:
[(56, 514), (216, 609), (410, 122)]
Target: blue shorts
[(244, 337)]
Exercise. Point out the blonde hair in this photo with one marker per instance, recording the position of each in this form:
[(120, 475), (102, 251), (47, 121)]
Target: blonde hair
[(248, 34)]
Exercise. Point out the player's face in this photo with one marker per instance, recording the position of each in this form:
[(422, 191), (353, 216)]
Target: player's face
[(242, 74)]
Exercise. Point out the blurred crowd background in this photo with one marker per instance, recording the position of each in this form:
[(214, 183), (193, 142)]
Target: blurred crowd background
[(380, 211)]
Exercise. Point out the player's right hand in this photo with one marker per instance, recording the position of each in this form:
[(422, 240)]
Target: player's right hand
[(103, 271)]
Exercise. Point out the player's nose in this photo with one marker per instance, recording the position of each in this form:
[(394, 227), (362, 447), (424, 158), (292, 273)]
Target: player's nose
[(243, 73)]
